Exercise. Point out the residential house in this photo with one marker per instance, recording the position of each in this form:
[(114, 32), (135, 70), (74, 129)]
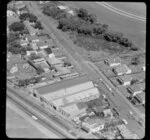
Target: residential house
[(125, 80), (136, 89), (113, 62), (19, 5), (140, 97), (61, 7), (34, 46), (10, 13), (122, 69), (48, 51)]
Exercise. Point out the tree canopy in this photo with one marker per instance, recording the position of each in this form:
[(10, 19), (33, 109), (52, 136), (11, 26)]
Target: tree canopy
[(17, 26)]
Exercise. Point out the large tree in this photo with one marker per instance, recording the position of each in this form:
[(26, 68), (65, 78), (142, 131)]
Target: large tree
[(16, 26)]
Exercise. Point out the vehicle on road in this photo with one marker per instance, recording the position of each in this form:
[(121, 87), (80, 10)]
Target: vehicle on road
[(34, 117)]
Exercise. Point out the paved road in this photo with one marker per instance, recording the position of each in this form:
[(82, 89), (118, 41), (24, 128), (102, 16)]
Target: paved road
[(90, 71), (48, 120), (120, 12)]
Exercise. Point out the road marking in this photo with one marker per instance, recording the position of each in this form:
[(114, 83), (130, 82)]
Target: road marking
[(120, 13)]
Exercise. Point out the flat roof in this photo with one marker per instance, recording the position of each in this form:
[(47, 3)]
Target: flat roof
[(141, 96), (114, 60), (61, 85)]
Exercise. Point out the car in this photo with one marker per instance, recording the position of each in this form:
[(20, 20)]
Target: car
[(125, 121), (34, 117)]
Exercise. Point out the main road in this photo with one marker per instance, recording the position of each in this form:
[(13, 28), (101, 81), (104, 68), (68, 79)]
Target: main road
[(64, 42), (48, 121)]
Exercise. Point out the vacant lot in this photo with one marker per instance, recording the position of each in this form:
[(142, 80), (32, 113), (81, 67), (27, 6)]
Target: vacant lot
[(130, 27)]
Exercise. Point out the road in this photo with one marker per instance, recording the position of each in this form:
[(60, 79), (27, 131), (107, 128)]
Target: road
[(93, 75), (49, 121), (121, 12)]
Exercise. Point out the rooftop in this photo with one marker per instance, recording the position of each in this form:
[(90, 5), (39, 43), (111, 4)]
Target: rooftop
[(141, 96), (122, 68), (61, 85), (138, 87), (114, 60)]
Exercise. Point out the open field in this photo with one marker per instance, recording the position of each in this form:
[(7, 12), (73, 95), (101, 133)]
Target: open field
[(130, 27)]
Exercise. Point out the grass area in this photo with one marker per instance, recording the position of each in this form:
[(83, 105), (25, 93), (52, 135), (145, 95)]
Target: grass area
[(97, 48)]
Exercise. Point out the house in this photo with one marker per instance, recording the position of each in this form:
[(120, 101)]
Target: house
[(19, 5), (136, 89), (113, 62), (140, 97), (121, 69), (33, 39), (10, 13), (125, 80), (31, 30), (42, 44)]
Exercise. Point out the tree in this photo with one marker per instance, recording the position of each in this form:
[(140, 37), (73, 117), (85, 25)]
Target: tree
[(13, 36), (134, 81), (135, 60), (82, 13), (92, 18), (40, 70), (38, 25), (17, 26)]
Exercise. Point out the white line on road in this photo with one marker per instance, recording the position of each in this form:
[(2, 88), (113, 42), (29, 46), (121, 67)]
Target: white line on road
[(119, 12)]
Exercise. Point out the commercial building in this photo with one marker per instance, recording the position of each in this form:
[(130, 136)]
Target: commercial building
[(113, 62), (121, 69), (124, 80)]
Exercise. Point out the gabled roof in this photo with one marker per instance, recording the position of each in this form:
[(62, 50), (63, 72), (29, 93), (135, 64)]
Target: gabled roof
[(138, 87), (122, 68)]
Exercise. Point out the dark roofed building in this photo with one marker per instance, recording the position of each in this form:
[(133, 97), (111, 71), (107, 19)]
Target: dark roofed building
[(48, 50)]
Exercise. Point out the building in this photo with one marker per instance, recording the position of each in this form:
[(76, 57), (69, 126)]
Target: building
[(34, 46), (125, 80), (73, 109), (20, 5), (122, 69), (93, 125), (136, 89), (140, 97), (10, 13), (139, 76), (113, 62)]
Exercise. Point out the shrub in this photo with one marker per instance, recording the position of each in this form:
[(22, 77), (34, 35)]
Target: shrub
[(17, 26), (38, 25)]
